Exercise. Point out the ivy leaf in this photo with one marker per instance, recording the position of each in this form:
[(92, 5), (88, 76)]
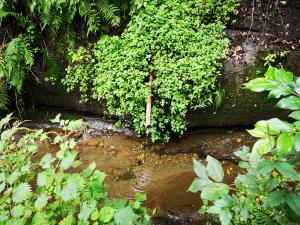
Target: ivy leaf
[(41, 201), (124, 216), (199, 169), (274, 199), (21, 193), (287, 170), (291, 103), (214, 169), (106, 214)]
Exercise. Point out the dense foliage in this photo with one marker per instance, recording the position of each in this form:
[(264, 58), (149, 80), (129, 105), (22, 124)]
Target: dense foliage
[(267, 190), (49, 191), (181, 43), (36, 26)]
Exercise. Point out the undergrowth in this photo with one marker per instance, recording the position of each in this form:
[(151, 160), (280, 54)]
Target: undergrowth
[(181, 43)]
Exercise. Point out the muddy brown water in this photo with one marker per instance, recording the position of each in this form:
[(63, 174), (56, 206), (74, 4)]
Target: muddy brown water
[(163, 172)]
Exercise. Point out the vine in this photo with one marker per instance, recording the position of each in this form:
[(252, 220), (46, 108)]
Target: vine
[(179, 43)]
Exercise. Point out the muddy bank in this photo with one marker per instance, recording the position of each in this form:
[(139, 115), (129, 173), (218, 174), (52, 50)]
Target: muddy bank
[(163, 172)]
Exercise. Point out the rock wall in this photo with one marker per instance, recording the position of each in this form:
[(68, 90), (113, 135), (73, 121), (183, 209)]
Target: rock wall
[(260, 28)]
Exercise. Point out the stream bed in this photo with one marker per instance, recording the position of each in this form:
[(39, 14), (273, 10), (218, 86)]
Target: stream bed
[(162, 171)]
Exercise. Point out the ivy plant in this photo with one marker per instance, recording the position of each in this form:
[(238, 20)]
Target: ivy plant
[(180, 43), (267, 189), (49, 191)]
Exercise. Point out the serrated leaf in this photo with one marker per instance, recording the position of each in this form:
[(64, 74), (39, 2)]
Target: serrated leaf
[(124, 216), (67, 220), (274, 199), (225, 217), (293, 201), (69, 191), (42, 179), (89, 170), (214, 169), (18, 211), (264, 167), (21, 193), (46, 161), (68, 160), (86, 210), (41, 201), (106, 214), (287, 170), (5, 120), (214, 191)]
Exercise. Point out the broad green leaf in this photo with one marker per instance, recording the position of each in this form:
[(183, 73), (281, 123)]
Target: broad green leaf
[(274, 199), (198, 185), (75, 125), (244, 213), (199, 169), (280, 91), (124, 216), (214, 169), (246, 180), (106, 214), (225, 217), (297, 142), (285, 143), (277, 126), (287, 170), (214, 191), (89, 170), (291, 102), (264, 167), (21, 193), (293, 201), (41, 201), (260, 84), (284, 77), (140, 197), (295, 115), (214, 210), (262, 125), (68, 160), (257, 133), (270, 74), (254, 159), (32, 147), (264, 145)]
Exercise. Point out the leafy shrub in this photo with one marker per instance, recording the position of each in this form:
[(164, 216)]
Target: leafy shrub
[(47, 191), (267, 189), (181, 43), (35, 26)]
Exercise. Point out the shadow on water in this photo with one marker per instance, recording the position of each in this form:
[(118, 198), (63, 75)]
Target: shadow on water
[(163, 172)]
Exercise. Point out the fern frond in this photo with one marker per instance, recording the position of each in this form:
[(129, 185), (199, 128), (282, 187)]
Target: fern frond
[(4, 99)]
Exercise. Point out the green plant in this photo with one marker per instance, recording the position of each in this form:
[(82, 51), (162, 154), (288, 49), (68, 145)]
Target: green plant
[(46, 27), (179, 43), (267, 189), (49, 191)]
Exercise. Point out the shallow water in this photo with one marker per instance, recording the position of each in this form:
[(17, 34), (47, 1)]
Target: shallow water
[(163, 172)]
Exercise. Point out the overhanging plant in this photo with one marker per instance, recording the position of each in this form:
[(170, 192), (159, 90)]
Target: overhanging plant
[(267, 189)]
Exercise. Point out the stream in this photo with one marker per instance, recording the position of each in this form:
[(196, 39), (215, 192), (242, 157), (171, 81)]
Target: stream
[(162, 171)]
